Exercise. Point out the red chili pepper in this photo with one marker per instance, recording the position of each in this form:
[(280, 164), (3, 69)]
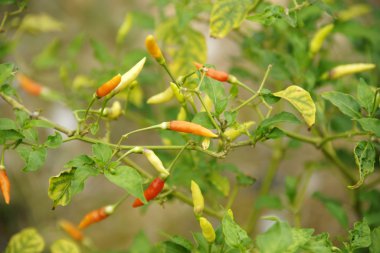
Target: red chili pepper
[(29, 85), (71, 230), (108, 86), (96, 216), (151, 192), (5, 185), (189, 127), (214, 74)]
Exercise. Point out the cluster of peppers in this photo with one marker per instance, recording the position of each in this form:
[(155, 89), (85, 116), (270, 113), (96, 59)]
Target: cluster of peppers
[(119, 82)]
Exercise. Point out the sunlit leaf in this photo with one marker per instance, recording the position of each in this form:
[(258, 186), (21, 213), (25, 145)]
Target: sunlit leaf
[(227, 15), (64, 246), (301, 100), (27, 240)]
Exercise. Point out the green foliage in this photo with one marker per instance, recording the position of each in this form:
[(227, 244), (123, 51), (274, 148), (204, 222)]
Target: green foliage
[(341, 112), (27, 240)]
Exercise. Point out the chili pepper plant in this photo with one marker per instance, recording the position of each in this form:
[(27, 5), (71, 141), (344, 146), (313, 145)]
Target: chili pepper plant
[(257, 123)]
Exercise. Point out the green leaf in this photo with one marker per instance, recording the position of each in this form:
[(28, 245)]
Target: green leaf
[(234, 235), (345, 103), (301, 100), (22, 117), (264, 129), (221, 183), (319, 244), (140, 244), (38, 123), (102, 152), (27, 240), (184, 44), (100, 51), (60, 188), (34, 157), (10, 135), (270, 15), (275, 239), (128, 179), (215, 90), (268, 96), (182, 241), (75, 46), (360, 236), (365, 155), (64, 246), (81, 174), (48, 57), (375, 237), (227, 15), (300, 237), (371, 125), (365, 96), (334, 207), (202, 119), (54, 141), (7, 124), (6, 72)]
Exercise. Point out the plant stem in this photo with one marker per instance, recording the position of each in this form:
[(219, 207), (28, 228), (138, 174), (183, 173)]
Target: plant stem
[(170, 168), (209, 113), (277, 155), (258, 91), (244, 86), (17, 105), (165, 66), (232, 197)]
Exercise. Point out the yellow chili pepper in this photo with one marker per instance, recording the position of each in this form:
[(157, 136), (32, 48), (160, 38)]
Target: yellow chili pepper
[(348, 69), (177, 93), (207, 229), (353, 12), (233, 133), (318, 39), (114, 112), (129, 76), (161, 97), (156, 162), (198, 200), (182, 115)]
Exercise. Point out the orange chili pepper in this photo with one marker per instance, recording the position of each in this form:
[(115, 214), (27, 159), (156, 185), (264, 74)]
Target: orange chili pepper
[(189, 127), (108, 86), (96, 216), (153, 48), (5, 185), (154, 188), (214, 74), (29, 85), (71, 230)]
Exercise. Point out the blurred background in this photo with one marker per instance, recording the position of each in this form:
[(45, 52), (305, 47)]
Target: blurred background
[(71, 58)]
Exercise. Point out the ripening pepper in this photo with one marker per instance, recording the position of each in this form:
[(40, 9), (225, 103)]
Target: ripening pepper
[(347, 69), (161, 97), (5, 185), (114, 112), (177, 93), (36, 89), (108, 86), (198, 200), (207, 230), (153, 49), (154, 188), (129, 76), (71, 230), (96, 216), (214, 74), (188, 127), (156, 162), (318, 39)]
